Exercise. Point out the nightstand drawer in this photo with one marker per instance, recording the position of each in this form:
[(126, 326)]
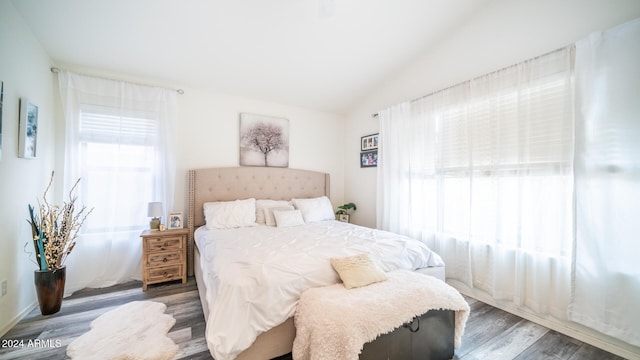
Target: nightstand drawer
[(164, 258), (164, 273), (164, 243)]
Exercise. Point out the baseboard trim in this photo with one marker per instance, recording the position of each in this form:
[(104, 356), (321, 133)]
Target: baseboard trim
[(5, 329), (573, 330)]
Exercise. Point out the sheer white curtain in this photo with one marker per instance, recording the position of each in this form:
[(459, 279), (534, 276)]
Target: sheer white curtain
[(607, 171), (482, 172), (117, 141)]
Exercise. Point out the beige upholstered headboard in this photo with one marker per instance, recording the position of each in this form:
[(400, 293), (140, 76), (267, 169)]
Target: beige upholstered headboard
[(225, 184)]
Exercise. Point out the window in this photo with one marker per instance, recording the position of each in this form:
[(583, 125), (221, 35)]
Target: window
[(117, 159), (117, 139), (482, 172), (496, 150)]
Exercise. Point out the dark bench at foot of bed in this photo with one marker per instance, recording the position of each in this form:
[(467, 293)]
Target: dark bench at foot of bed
[(428, 337)]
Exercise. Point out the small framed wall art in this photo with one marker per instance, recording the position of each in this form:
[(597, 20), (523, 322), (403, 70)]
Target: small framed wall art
[(28, 138), (369, 142), (175, 220), (369, 159), (369, 148)]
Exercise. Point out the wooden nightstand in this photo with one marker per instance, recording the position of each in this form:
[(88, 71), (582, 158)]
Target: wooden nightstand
[(164, 256)]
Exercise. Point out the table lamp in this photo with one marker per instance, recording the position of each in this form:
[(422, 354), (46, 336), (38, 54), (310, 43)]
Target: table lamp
[(154, 211)]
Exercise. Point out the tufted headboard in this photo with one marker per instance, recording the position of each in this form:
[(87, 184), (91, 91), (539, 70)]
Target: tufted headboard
[(226, 184)]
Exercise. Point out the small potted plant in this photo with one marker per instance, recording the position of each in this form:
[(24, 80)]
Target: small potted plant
[(342, 213)]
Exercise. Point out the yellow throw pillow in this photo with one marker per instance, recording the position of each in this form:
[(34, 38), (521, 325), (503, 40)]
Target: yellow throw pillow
[(357, 271)]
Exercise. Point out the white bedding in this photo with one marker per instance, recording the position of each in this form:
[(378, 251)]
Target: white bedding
[(255, 275)]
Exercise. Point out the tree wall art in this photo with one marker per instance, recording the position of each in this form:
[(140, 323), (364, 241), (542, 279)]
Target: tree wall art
[(264, 140)]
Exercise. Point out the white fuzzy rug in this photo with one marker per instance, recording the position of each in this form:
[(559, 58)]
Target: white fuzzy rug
[(137, 330)]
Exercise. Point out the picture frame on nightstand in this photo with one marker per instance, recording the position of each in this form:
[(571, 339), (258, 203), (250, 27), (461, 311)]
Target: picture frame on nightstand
[(175, 220)]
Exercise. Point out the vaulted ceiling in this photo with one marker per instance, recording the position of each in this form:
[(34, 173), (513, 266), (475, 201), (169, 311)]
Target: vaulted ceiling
[(286, 51)]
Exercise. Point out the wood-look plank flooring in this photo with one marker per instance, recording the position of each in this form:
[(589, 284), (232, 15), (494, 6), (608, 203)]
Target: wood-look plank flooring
[(490, 333)]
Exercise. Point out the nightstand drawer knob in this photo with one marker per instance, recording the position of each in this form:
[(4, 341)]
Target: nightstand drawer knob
[(165, 274), (164, 260), (166, 244)]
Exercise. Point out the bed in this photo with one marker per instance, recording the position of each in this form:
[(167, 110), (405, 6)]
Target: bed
[(231, 184)]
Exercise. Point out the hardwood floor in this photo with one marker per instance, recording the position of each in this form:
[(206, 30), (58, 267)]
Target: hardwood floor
[(490, 333), (495, 334), (84, 306)]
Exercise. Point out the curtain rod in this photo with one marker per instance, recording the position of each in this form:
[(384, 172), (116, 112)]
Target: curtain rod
[(56, 70), (493, 72)]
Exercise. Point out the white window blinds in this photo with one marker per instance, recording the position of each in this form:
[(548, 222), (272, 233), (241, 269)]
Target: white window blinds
[(102, 124), (509, 121)]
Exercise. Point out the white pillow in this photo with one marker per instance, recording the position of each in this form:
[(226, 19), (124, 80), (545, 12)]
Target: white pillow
[(288, 218), (264, 203), (268, 213), (230, 214), (315, 209), (357, 271)]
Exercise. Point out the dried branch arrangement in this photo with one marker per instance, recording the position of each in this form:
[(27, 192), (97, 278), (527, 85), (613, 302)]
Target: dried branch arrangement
[(55, 229)]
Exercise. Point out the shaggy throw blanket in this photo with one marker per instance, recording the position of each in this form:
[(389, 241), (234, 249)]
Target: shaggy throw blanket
[(136, 330), (335, 323)]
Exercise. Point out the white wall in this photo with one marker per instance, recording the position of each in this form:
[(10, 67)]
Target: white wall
[(24, 68), (208, 135), (502, 34)]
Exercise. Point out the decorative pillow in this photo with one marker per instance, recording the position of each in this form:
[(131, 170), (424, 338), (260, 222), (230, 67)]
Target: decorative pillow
[(268, 213), (288, 218), (230, 214), (261, 204), (315, 209), (357, 271)]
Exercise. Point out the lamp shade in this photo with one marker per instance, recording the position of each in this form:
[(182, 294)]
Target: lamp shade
[(154, 209)]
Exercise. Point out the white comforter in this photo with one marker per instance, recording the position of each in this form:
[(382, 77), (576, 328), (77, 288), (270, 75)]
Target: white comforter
[(255, 275)]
